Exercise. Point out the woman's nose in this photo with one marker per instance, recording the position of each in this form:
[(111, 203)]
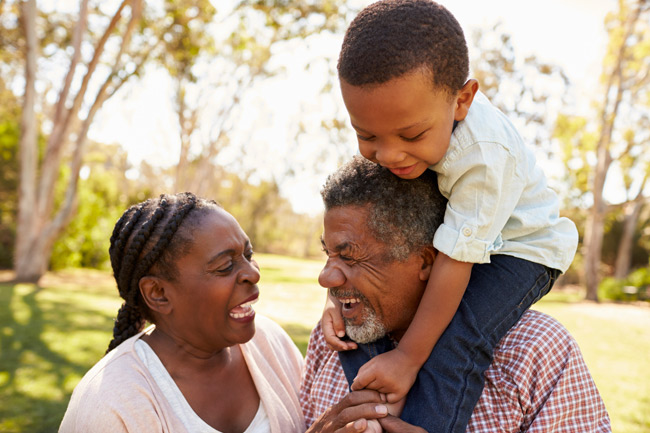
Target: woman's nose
[(331, 276), (250, 273)]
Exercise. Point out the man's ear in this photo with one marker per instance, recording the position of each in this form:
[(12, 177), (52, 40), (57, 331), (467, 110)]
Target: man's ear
[(153, 293), (465, 98), (428, 255)]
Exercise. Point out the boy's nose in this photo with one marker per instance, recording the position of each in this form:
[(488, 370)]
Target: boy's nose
[(388, 155)]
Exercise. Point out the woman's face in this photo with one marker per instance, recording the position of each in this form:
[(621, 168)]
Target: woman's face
[(217, 281)]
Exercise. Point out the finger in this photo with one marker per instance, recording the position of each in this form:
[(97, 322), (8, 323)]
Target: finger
[(366, 411), (354, 426), (394, 397), (340, 345), (364, 377), (393, 424)]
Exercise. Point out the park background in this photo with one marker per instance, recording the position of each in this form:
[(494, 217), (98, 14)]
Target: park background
[(106, 103)]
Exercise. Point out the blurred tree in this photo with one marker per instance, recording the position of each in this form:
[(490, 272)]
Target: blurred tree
[(39, 222), (103, 45), (9, 136), (104, 192), (529, 91), (207, 104), (617, 137)]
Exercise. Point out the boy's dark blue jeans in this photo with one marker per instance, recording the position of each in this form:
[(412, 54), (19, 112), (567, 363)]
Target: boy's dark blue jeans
[(451, 381)]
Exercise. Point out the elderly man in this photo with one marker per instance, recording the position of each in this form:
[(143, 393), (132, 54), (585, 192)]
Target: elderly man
[(377, 233)]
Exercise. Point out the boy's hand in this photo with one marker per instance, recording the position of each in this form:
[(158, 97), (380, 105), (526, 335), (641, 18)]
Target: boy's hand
[(333, 326), (391, 373)]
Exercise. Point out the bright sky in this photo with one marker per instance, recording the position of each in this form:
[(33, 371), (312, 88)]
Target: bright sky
[(569, 33)]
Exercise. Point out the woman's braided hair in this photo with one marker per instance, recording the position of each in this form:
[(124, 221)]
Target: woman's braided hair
[(147, 236)]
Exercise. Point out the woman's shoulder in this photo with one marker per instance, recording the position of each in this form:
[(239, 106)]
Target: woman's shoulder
[(272, 344), (109, 392), (270, 333)]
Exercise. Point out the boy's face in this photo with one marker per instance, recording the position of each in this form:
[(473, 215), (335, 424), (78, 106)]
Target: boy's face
[(405, 124)]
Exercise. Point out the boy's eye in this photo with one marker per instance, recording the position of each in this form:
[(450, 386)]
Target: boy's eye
[(415, 138), (363, 138)]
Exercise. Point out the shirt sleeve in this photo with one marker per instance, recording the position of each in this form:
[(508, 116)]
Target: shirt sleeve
[(483, 186)]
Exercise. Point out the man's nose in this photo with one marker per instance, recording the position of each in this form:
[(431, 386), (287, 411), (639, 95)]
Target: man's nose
[(331, 276)]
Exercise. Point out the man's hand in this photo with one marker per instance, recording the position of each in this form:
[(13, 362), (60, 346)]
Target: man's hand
[(352, 414), (392, 424), (333, 326), (391, 373)]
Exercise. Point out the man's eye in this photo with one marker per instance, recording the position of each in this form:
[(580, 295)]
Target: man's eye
[(249, 255), (346, 258)]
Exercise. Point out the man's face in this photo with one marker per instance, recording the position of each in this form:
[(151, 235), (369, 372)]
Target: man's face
[(379, 295)]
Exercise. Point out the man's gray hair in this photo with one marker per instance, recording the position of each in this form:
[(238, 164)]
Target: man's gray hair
[(404, 213)]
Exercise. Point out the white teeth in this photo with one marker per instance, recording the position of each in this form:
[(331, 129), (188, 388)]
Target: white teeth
[(243, 310), (349, 300)]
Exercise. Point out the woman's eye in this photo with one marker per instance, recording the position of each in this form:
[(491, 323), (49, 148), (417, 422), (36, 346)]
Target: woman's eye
[(224, 269)]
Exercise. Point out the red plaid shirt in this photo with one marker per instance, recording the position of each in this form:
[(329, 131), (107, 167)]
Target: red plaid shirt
[(538, 382)]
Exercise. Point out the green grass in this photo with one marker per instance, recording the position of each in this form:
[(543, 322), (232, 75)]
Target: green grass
[(51, 335)]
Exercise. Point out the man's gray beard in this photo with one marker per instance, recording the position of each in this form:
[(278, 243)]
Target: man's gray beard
[(370, 330)]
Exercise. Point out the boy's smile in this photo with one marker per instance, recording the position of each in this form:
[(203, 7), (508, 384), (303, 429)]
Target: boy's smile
[(405, 124)]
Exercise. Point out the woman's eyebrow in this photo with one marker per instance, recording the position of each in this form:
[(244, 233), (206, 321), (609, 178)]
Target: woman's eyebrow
[(228, 252)]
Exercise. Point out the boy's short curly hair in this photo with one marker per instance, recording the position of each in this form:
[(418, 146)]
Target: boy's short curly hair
[(404, 214), (392, 37)]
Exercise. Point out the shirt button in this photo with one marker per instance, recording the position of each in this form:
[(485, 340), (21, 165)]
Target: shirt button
[(467, 231)]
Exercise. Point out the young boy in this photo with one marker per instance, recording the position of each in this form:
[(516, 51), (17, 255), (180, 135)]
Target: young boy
[(403, 70)]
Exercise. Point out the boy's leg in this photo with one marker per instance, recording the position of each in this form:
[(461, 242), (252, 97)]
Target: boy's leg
[(451, 381)]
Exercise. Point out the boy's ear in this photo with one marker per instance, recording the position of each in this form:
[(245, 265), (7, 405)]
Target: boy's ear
[(465, 98), (153, 293), (428, 256)]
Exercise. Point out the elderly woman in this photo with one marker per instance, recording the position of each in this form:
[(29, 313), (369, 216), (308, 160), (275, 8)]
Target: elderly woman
[(207, 363)]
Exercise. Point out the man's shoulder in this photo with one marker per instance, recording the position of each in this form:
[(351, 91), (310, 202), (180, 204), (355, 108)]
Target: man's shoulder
[(535, 327), (537, 341)]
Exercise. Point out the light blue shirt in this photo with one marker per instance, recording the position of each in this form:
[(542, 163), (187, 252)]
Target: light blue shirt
[(499, 200)]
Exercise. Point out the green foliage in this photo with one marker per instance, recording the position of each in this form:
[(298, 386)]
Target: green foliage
[(102, 197), (636, 287), (9, 137)]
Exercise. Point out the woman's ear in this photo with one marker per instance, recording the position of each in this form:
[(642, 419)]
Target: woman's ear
[(464, 99), (428, 255), (153, 293)]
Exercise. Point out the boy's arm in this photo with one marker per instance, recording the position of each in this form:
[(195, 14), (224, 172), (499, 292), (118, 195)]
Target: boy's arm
[(394, 372)]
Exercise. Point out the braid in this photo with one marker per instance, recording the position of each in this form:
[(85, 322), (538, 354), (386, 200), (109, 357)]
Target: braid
[(123, 229), (135, 249), (166, 237), (129, 322), (140, 236)]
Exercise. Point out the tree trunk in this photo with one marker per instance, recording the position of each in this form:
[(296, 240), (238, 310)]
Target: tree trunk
[(624, 255), (28, 150), (38, 223)]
